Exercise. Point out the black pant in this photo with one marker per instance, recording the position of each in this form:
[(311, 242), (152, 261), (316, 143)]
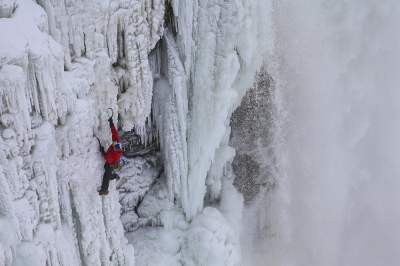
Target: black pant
[(108, 175)]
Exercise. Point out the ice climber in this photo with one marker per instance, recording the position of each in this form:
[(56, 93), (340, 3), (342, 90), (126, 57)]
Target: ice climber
[(112, 159)]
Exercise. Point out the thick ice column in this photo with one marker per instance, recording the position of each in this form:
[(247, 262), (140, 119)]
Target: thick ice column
[(210, 101), (185, 21), (170, 111), (230, 46)]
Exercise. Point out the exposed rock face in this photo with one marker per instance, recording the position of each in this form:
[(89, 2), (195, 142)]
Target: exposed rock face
[(251, 136)]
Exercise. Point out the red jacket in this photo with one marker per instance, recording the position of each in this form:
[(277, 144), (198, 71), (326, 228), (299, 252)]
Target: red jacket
[(112, 156)]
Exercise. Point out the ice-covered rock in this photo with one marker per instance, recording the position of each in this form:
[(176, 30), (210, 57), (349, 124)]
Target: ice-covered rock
[(210, 240), (7, 8), (154, 202), (137, 177), (252, 136)]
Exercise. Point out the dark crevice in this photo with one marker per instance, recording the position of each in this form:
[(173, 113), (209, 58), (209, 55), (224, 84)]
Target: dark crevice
[(40, 100), (84, 45), (77, 227), (154, 58), (121, 45), (169, 18)]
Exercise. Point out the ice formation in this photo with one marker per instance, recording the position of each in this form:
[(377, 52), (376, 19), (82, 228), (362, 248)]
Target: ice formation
[(173, 71)]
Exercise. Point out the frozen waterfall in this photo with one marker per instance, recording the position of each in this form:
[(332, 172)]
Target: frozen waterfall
[(261, 132)]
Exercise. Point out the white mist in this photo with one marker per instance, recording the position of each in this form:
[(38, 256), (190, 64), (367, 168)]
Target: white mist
[(337, 74)]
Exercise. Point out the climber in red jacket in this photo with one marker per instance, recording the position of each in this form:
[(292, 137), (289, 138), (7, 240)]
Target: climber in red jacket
[(112, 159)]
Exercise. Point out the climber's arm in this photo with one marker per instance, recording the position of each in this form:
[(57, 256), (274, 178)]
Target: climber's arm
[(114, 131)]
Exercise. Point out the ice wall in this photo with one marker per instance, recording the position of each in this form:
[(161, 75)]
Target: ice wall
[(62, 64)]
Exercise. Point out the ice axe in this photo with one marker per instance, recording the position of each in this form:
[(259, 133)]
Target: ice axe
[(112, 113)]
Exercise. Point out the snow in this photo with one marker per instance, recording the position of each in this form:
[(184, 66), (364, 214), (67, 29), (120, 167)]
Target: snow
[(211, 241), (165, 244), (208, 240)]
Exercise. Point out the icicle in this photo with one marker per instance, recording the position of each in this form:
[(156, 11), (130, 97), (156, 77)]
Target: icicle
[(129, 43), (170, 111), (13, 100), (44, 81)]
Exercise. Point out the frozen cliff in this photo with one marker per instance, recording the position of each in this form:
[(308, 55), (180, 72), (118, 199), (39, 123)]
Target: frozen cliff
[(173, 71)]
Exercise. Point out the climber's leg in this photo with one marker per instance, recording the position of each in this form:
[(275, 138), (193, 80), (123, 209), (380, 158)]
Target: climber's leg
[(106, 179)]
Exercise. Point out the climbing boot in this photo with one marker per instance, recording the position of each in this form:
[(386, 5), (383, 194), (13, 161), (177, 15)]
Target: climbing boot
[(103, 193)]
